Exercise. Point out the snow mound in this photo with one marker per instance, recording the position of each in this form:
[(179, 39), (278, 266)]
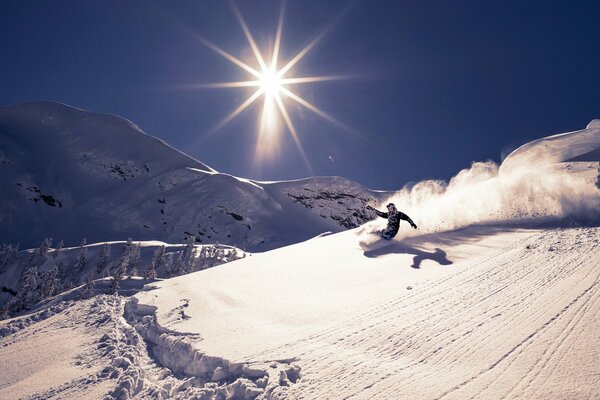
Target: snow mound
[(564, 147), (211, 374)]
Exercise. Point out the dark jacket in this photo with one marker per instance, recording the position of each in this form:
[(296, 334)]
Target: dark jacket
[(394, 218)]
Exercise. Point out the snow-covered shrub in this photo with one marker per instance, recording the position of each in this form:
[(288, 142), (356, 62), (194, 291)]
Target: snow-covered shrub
[(103, 259)]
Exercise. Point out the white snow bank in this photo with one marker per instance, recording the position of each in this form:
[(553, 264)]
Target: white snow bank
[(214, 375)]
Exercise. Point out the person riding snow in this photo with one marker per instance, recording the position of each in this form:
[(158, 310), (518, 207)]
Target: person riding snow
[(393, 216)]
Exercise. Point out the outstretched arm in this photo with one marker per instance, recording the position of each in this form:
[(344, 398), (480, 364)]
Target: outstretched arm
[(379, 213), (407, 218)]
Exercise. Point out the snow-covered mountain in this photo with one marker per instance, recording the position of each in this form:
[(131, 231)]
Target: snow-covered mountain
[(496, 295), (66, 173)]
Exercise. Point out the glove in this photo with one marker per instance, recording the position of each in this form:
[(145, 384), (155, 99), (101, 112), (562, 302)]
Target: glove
[(368, 207), (414, 225)]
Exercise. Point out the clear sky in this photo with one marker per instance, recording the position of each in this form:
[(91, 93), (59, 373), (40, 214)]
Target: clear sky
[(434, 86)]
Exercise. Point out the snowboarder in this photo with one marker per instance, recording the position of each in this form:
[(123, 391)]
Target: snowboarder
[(393, 216)]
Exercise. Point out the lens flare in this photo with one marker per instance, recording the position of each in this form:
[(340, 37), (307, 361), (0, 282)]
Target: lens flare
[(270, 83)]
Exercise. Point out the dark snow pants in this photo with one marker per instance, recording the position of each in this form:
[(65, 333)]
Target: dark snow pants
[(388, 233)]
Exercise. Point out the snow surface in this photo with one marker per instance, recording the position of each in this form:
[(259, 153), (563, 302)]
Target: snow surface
[(492, 312)]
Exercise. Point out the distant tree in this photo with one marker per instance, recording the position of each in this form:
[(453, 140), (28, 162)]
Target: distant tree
[(200, 261), (103, 259), (134, 259), (233, 254), (88, 288), (188, 256), (79, 263), (28, 291), (220, 253), (44, 249), (32, 260), (127, 252), (11, 307), (39, 255), (58, 249), (51, 284), (156, 263), (118, 271), (168, 265), (115, 286), (177, 267), (63, 275)]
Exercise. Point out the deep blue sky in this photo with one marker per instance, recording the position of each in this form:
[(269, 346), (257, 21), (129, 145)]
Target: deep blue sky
[(442, 83)]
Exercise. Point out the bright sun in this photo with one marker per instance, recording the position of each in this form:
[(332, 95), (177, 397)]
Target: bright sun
[(271, 84)]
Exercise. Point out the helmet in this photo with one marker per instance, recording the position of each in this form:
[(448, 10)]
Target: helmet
[(391, 205)]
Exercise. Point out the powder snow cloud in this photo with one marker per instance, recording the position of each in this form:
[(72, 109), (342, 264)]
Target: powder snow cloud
[(552, 178)]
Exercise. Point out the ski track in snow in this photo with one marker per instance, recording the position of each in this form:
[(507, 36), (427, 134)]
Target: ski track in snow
[(458, 337)]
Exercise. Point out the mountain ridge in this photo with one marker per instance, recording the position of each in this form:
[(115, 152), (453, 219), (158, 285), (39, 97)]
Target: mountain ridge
[(68, 173)]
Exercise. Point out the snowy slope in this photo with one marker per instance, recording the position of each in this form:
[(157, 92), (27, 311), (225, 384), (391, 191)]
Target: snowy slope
[(66, 173), (497, 295), (492, 313)]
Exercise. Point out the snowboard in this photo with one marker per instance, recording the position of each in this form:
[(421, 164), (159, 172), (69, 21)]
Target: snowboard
[(372, 240)]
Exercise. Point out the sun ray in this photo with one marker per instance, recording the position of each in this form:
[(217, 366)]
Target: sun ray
[(311, 79), (316, 40), (293, 132), (251, 41), (319, 112), (312, 107), (228, 56), (300, 55), (236, 112), (272, 84), (217, 85), (278, 38)]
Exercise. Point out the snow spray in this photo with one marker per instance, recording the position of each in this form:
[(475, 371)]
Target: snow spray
[(536, 184)]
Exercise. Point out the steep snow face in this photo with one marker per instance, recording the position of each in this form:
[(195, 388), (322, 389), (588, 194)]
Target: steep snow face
[(68, 174), (582, 145)]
